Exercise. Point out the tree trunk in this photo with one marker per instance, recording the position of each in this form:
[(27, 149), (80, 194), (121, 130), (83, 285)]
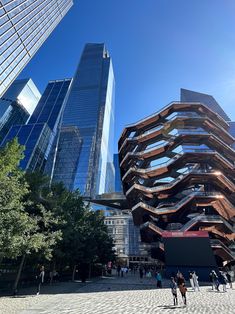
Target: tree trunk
[(18, 274), (74, 272)]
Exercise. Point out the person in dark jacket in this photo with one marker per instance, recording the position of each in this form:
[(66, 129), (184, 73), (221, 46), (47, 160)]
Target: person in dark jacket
[(173, 286), (40, 279), (182, 286), (229, 279), (222, 280)]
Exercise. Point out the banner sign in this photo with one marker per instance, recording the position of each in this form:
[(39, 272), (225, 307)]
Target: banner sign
[(185, 234)]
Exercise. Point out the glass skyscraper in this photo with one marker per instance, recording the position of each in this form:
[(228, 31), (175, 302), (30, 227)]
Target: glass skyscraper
[(17, 104), (90, 108), (66, 160), (39, 134), (208, 100), (24, 26)]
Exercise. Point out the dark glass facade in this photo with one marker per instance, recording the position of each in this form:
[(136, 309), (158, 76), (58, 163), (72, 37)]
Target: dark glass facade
[(24, 26), (66, 159), (208, 100), (17, 104), (90, 107), (39, 134), (118, 181)]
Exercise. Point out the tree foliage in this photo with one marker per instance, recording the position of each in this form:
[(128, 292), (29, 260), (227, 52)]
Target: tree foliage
[(48, 221), (15, 223)]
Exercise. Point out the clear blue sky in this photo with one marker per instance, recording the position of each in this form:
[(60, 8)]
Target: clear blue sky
[(157, 47)]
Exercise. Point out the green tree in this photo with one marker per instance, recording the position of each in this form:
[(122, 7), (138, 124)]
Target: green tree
[(85, 237), (15, 223)]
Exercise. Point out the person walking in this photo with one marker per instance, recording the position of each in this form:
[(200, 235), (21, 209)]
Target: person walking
[(159, 280), (191, 280), (229, 279), (222, 280), (40, 279), (182, 287), (173, 286), (214, 280), (195, 281)]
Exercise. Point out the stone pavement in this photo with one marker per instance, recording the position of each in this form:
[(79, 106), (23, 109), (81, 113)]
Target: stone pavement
[(115, 295)]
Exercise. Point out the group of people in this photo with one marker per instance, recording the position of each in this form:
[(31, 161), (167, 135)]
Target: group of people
[(122, 270), (40, 277), (178, 282), (221, 278)]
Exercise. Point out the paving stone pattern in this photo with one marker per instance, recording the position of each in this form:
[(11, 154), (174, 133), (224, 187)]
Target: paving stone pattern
[(114, 295)]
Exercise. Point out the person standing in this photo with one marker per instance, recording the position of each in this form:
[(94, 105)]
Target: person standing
[(173, 286), (223, 280), (159, 280), (182, 287), (229, 279), (214, 280), (195, 281), (118, 270), (191, 280), (40, 279), (122, 271)]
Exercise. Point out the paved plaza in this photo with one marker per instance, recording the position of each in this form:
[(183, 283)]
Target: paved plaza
[(117, 296)]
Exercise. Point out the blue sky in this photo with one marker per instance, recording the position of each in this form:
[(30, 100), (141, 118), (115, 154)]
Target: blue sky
[(157, 47)]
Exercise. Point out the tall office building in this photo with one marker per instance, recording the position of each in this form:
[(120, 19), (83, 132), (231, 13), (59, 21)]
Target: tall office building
[(67, 156), (90, 108), (24, 26), (40, 133), (208, 100), (17, 104)]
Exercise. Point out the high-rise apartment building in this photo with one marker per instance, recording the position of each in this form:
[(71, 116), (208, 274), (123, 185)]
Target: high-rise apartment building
[(24, 26), (40, 133), (90, 108), (17, 104)]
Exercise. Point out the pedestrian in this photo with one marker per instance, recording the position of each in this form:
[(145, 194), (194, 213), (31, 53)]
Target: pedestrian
[(229, 279), (122, 271), (118, 270), (173, 286), (191, 280), (141, 272), (214, 280), (40, 279), (159, 280), (149, 274), (182, 287), (195, 281), (223, 280)]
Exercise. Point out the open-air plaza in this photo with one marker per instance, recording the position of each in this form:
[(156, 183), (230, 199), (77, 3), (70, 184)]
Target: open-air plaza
[(122, 295), (117, 156)]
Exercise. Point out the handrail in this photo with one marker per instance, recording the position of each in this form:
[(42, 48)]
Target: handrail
[(180, 178), (172, 160)]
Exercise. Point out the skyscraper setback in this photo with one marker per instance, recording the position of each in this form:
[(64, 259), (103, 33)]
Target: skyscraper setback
[(24, 26), (90, 108)]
